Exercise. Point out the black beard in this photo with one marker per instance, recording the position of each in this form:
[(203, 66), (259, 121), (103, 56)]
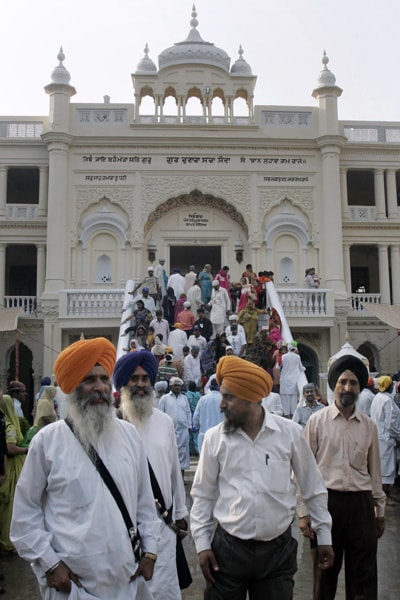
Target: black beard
[(347, 399)]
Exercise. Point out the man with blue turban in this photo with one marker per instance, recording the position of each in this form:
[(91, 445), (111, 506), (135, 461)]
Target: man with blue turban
[(134, 376)]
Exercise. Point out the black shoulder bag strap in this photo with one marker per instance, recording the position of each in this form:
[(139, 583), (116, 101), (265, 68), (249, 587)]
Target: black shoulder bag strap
[(110, 483), (166, 514), (182, 567)]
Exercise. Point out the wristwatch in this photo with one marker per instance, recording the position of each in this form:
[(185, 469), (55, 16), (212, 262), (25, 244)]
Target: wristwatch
[(150, 555)]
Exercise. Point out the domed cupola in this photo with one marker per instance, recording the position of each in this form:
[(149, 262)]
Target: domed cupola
[(60, 73), (146, 65), (326, 77), (194, 50), (241, 67)]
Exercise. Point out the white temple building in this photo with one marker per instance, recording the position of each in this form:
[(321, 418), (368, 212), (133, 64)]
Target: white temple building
[(192, 171)]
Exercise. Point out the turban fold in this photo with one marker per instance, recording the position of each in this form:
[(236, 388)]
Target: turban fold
[(384, 382), (244, 379), (75, 362), (351, 363), (127, 364)]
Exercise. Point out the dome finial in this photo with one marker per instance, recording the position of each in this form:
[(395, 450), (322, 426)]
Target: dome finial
[(146, 65), (146, 50), (326, 77), (240, 51), (194, 22), (60, 73), (241, 67)]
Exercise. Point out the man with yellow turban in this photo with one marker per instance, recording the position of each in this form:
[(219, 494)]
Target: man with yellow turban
[(344, 442), (386, 414), (66, 521), (244, 485)]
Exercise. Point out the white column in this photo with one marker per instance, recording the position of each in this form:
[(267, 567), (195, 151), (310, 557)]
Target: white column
[(57, 215), (384, 286), (2, 273), (395, 273), (40, 269), (123, 267), (3, 190), (347, 267), (331, 262), (393, 209), (379, 194), (343, 193), (43, 191), (84, 267)]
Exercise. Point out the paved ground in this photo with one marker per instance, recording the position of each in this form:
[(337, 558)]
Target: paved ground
[(20, 583)]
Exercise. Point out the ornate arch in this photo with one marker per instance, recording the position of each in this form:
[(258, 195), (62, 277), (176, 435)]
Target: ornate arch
[(196, 198)]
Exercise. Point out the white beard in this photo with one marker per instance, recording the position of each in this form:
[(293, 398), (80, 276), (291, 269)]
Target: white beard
[(90, 420), (136, 409)]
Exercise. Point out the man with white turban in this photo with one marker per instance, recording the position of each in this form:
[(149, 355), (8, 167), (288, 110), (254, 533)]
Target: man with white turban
[(386, 414), (244, 486), (344, 442), (66, 521)]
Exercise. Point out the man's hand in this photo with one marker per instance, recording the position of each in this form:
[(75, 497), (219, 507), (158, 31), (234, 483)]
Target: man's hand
[(325, 557), (305, 527), (380, 526), (60, 578), (145, 569), (182, 524), (208, 565)]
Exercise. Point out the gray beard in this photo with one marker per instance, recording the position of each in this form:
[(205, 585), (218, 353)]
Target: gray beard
[(136, 409), (90, 420)]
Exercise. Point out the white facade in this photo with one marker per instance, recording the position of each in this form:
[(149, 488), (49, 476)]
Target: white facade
[(89, 191)]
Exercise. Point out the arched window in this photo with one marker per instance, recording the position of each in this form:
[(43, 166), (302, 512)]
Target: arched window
[(286, 271), (104, 269)]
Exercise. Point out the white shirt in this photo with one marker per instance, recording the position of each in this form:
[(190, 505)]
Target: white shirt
[(64, 511), (177, 339), (220, 303), (237, 342), (148, 303), (177, 282), (200, 341), (190, 278), (240, 330), (194, 297), (247, 485), (192, 369), (272, 404), (290, 372)]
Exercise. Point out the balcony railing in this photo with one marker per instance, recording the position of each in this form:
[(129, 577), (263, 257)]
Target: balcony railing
[(306, 303), (91, 303), (357, 303), (23, 212), (27, 303)]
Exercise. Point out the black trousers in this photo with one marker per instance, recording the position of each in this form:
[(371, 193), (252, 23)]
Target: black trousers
[(354, 536), (263, 569)]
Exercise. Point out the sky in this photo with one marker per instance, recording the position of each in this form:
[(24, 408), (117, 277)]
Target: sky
[(283, 41)]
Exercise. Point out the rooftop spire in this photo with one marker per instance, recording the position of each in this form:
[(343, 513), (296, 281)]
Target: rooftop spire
[(60, 73)]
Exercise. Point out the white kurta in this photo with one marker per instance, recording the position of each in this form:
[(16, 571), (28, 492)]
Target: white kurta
[(159, 441), (220, 304), (178, 408), (386, 415), (177, 339), (64, 511)]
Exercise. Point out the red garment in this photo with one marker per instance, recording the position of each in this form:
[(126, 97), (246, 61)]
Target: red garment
[(224, 281), (187, 320)]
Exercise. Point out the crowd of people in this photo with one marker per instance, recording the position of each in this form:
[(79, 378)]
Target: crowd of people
[(98, 507)]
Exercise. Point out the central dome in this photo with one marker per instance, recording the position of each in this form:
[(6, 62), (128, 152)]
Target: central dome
[(194, 50)]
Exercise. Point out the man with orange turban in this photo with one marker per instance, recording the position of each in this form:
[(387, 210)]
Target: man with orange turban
[(244, 484), (66, 521)]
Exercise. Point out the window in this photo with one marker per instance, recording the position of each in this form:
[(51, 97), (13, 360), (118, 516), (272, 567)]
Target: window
[(23, 186)]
